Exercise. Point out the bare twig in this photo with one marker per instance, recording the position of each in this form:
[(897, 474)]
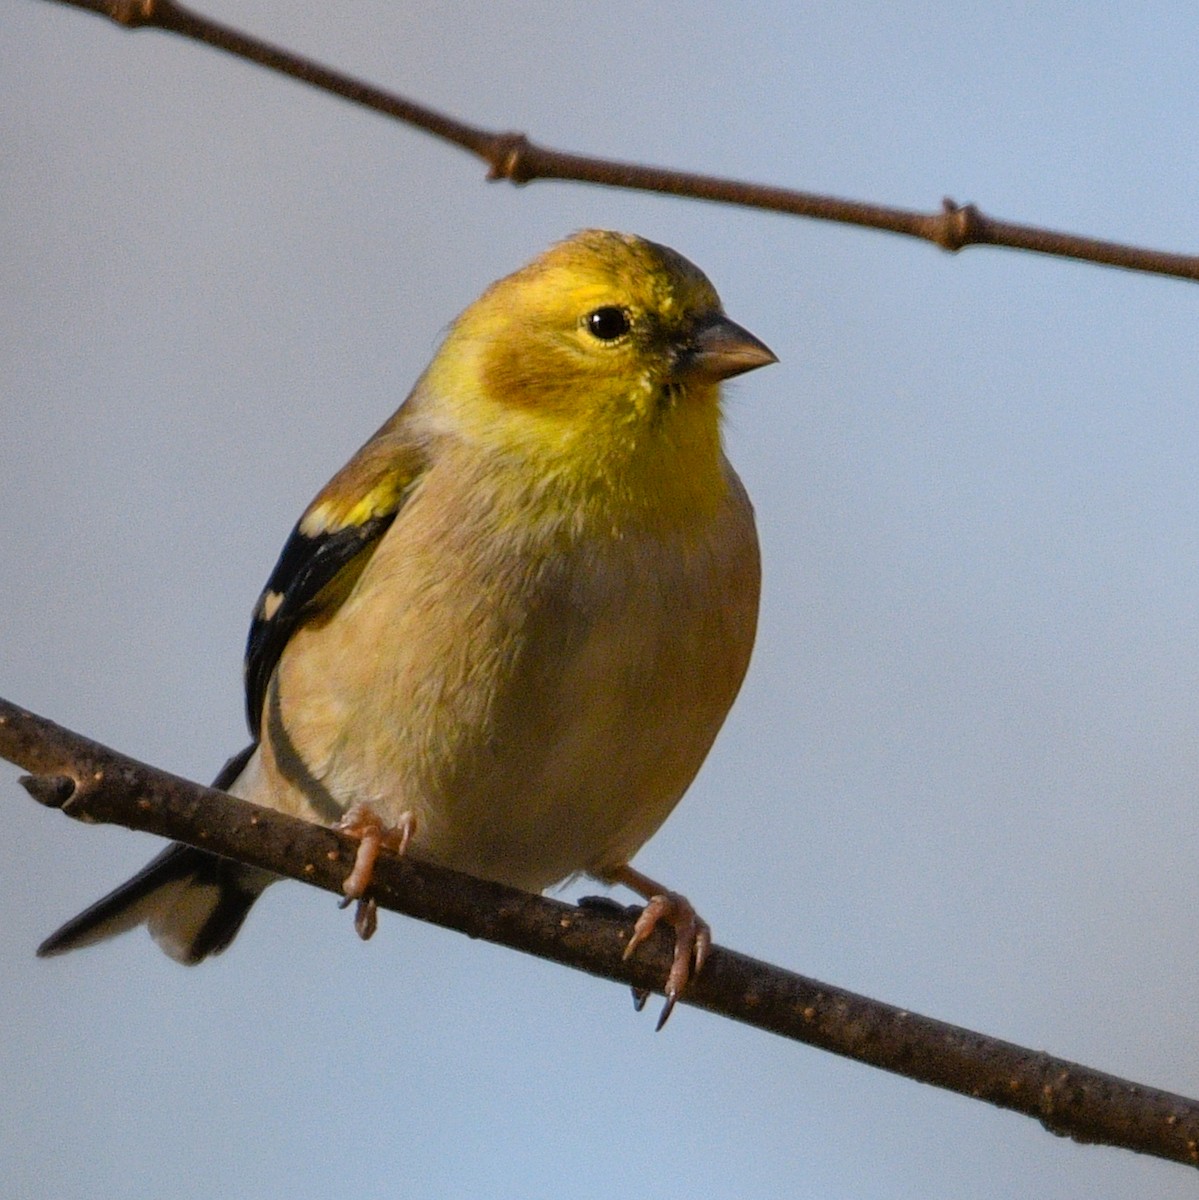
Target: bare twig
[(92, 783), (514, 157)]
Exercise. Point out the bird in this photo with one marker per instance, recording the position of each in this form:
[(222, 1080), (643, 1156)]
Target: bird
[(505, 635)]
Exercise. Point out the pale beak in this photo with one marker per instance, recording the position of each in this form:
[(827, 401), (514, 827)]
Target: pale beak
[(722, 349)]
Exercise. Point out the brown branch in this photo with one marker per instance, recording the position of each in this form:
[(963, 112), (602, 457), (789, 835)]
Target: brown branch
[(92, 783), (514, 157)]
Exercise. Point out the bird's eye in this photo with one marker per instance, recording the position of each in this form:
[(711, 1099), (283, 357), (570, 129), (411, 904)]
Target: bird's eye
[(608, 323)]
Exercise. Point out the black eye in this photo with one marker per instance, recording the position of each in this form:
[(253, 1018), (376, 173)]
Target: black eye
[(608, 323)]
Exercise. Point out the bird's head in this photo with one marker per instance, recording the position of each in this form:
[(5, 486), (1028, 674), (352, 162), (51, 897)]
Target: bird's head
[(605, 354)]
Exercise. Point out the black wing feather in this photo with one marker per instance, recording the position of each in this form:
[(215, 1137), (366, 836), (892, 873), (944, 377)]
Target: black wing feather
[(306, 567)]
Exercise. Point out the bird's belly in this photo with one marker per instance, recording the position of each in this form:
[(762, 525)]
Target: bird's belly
[(578, 776), (536, 725)]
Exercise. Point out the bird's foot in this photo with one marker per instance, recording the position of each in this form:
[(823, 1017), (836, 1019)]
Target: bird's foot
[(692, 935), (362, 822), (692, 940)]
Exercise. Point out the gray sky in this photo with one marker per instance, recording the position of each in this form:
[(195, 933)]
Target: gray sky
[(962, 776)]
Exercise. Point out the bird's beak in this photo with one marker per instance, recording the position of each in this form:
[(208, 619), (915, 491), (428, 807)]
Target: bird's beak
[(722, 349)]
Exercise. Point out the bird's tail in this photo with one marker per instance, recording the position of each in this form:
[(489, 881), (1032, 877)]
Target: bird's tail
[(192, 902)]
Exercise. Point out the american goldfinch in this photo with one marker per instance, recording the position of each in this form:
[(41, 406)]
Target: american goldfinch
[(505, 634)]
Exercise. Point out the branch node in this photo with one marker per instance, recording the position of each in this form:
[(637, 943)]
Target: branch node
[(958, 225), (51, 790), (507, 158), (134, 13)]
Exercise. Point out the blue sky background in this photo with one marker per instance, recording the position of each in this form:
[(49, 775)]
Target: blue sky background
[(963, 776)]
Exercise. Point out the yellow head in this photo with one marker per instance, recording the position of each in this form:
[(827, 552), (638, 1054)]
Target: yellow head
[(599, 363)]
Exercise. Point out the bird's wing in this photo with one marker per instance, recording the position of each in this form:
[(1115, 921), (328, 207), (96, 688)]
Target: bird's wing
[(327, 550)]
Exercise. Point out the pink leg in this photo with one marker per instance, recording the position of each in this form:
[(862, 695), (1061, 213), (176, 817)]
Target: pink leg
[(363, 823)]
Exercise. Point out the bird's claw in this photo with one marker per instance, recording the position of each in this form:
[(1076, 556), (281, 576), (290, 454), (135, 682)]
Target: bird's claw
[(608, 907), (366, 915), (366, 918)]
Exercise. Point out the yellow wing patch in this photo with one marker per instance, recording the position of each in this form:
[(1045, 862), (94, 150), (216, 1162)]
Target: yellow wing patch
[(327, 551)]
